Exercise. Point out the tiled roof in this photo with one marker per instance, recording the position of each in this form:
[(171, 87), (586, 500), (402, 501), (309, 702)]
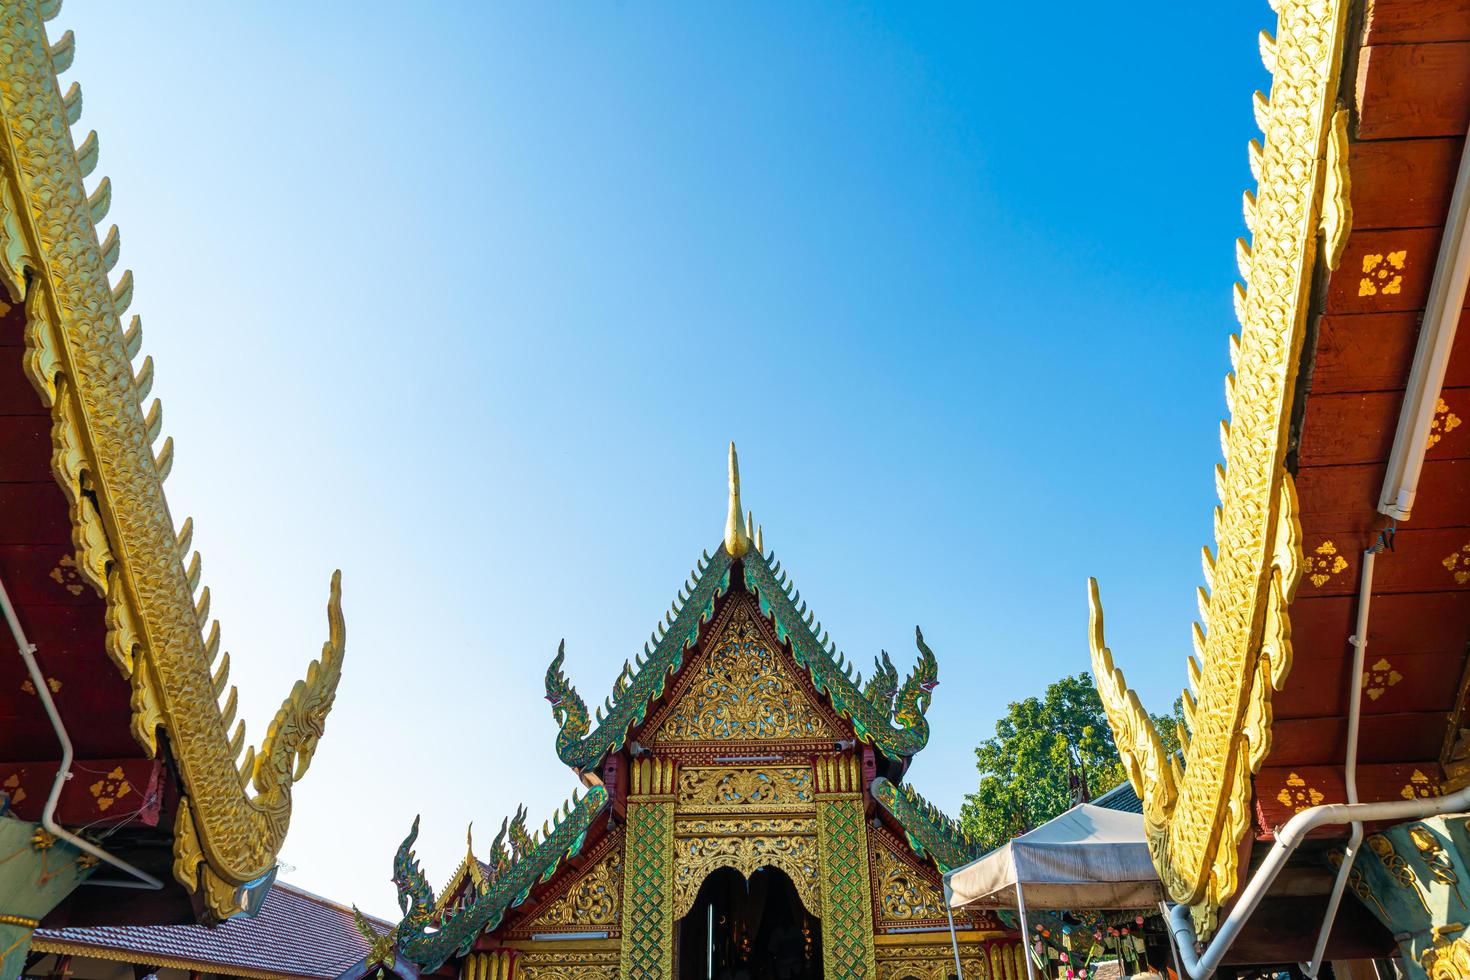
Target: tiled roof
[(1120, 797), (296, 934)]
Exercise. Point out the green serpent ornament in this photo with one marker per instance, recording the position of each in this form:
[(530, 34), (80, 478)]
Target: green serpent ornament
[(884, 714), (832, 673), (509, 881), (580, 745), (929, 832)]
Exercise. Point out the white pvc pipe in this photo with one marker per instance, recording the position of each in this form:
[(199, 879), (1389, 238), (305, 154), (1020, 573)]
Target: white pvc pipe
[(1201, 967), (1432, 355), (63, 769), (1359, 640)]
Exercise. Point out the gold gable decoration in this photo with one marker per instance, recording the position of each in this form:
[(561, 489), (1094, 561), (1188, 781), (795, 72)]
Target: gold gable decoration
[(79, 359), (742, 691), (903, 893), (594, 899), (1195, 816), (704, 845)]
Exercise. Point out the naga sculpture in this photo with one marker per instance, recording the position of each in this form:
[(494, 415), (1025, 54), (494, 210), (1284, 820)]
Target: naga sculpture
[(929, 832), (888, 715), (428, 936)]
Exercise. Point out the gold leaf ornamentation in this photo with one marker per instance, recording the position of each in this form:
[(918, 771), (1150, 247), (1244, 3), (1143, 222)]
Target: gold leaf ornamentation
[(1443, 423), (1447, 960), (1383, 273), (122, 529), (723, 789), (1324, 563), (110, 788), (1297, 794), (592, 900), (568, 965), (1457, 563), (13, 789), (1379, 677), (933, 962), (742, 691), (1419, 787), (1337, 194), (703, 846), (903, 892), (1196, 815)]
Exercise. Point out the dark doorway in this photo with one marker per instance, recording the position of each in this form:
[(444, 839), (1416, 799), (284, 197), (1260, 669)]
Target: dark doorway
[(756, 930)]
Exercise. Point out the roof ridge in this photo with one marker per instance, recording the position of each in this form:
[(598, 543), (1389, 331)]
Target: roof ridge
[(641, 682), (527, 862), (930, 831), (345, 908), (871, 711)]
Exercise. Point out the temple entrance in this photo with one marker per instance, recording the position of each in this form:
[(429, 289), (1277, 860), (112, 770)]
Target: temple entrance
[(755, 930)]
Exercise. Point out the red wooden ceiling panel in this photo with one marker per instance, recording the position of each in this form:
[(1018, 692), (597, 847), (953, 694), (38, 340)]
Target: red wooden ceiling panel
[(1402, 183), (1373, 352), (1413, 90), (1410, 21), (1384, 271)]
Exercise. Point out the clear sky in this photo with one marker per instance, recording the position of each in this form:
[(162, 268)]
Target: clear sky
[(468, 302)]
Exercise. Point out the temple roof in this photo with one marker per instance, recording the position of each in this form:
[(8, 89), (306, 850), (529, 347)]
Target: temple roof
[(929, 831), (296, 934), (1345, 403), (584, 742), (104, 583)]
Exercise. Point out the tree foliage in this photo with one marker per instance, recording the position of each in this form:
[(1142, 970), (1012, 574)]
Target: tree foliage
[(1025, 774)]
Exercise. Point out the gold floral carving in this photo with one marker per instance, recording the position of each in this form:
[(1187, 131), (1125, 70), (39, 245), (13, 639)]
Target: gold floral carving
[(1419, 787), (1444, 422), (1298, 795), (79, 360), (1196, 816), (1323, 563), (593, 899), (903, 892), (1383, 273), (1337, 194), (726, 789), (1447, 960), (742, 691), (1379, 677), (703, 846), (1457, 563), (929, 963), (571, 965)]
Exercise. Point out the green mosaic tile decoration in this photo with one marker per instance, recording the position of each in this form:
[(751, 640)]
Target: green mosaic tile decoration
[(847, 924), (648, 892)]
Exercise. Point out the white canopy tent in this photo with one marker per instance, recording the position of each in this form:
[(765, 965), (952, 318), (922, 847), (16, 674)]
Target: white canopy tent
[(1088, 858)]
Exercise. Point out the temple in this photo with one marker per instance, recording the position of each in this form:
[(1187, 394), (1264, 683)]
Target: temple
[(744, 808), (128, 794), (1329, 662)]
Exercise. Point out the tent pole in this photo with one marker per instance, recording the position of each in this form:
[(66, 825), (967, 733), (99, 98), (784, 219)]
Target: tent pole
[(1025, 932), (954, 941)]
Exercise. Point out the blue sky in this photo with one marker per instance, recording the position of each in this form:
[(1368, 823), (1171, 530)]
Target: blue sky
[(469, 304)]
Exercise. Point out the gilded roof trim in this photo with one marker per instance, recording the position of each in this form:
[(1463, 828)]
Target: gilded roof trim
[(1195, 818), (79, 360)]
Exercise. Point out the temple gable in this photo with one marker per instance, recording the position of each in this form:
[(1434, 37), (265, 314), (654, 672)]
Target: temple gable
[(741, 688)]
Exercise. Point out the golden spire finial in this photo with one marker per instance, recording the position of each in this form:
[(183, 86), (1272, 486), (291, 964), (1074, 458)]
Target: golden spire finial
[(737, 542)]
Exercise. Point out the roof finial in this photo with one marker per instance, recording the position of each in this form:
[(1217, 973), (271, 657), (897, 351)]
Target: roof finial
[(737, 542)]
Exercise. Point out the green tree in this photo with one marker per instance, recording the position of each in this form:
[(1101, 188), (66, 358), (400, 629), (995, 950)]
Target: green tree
[(1042, 749)]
